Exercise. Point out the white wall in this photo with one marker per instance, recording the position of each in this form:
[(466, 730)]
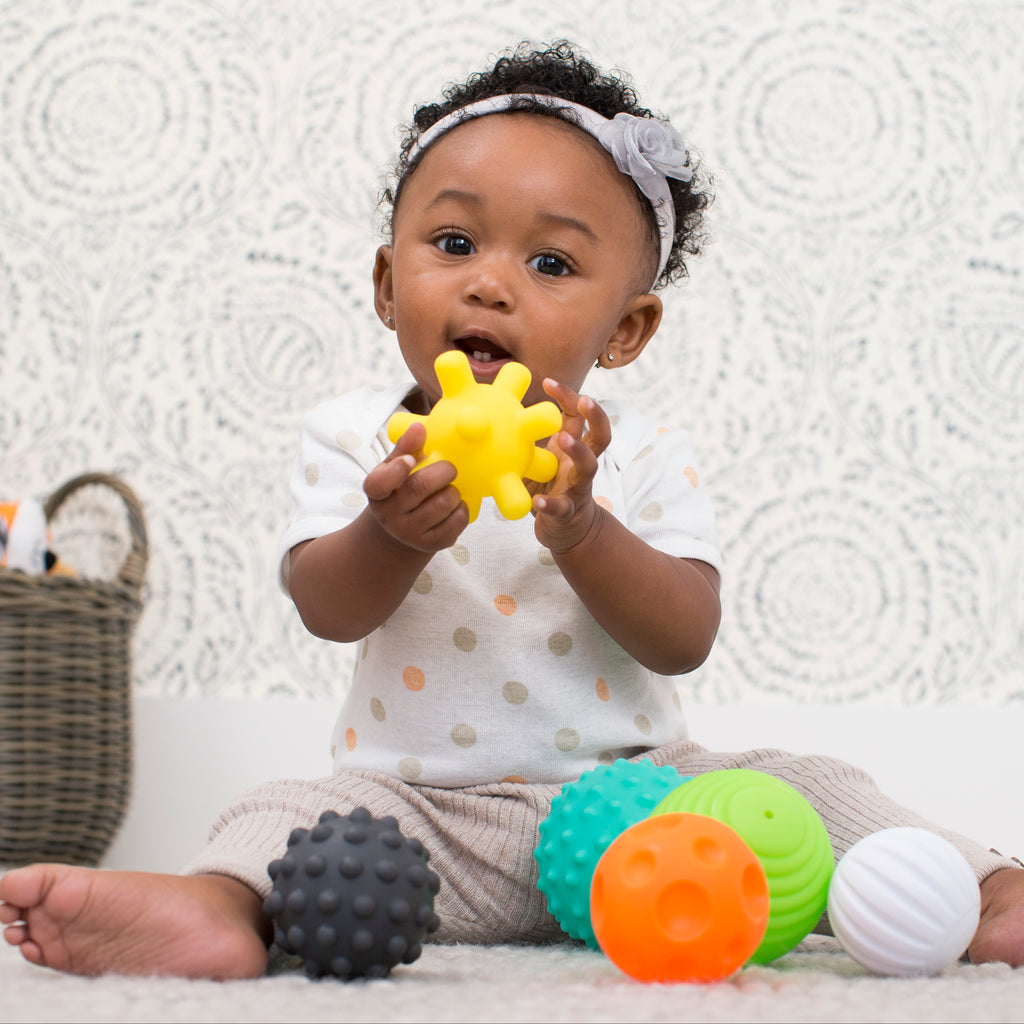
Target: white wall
[(186, 235)]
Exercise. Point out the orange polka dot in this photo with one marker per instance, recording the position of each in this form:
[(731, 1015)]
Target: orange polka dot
[(664, 430), (605, 503), (691, 474), (506, 604), (602, 690), (514, 778), (414, 678), (350, 739)]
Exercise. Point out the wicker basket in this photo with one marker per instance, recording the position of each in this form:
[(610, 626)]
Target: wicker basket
[(66, 702)]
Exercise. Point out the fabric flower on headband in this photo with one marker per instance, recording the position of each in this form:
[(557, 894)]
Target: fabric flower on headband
[(647, 150)]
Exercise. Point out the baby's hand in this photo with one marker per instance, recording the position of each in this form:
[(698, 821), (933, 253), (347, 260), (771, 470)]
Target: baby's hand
[(421, 510), (566, 511)]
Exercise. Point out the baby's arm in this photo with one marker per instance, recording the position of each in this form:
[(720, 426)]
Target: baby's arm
[(663, 610), (345, 584)]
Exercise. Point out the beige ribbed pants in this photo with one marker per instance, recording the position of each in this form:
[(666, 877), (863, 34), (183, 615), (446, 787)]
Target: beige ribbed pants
[(481, 839)]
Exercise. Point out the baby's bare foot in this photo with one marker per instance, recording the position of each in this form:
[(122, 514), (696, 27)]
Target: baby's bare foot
[(1000, 934), (91, 922)]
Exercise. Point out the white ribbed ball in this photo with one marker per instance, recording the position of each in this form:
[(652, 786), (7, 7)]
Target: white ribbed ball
[(904, 901)]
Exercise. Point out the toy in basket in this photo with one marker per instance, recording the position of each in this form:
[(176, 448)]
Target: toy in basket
[(25, 539), (65, 691)]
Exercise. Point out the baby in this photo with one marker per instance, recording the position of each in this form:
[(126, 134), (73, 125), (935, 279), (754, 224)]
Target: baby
[(537, 210)]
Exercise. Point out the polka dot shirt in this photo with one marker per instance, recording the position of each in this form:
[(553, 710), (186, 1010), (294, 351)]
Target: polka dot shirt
[(492, 669)]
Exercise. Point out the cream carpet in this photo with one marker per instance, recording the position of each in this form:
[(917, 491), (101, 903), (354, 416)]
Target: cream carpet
[(816, 983)]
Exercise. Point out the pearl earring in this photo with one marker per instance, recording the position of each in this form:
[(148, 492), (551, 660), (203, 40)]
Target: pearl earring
[(389, 321)]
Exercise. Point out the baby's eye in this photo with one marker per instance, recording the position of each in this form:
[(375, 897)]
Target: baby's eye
[(550, 265), (455, 245)]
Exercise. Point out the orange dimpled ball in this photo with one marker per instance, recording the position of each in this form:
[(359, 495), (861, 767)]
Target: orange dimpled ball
[(679, 897)]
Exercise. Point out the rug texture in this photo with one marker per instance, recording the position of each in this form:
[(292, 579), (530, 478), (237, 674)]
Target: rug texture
[(818, 982)]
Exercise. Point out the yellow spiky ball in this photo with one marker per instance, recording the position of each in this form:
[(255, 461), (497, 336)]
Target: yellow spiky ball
[(487, 434)]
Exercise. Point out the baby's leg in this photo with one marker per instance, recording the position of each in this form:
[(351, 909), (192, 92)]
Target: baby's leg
[(852, 806), (480, 842), (90, 922), (209, 922)]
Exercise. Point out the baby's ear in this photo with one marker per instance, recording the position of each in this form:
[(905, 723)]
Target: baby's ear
[(383, 286), (640, 319)]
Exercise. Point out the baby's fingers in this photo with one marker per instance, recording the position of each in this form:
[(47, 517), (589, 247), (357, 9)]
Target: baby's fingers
[(560, 507), (410, 443), (599, 427), (582, 456), (568, 403), (386, 478), (382, 481), (581, 416)]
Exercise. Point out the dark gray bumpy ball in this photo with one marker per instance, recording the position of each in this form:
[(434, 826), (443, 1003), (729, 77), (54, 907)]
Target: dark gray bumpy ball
[(352, 896)]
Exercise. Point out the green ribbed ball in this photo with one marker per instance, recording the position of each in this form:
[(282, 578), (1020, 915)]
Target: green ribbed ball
[(786, 834), (584, 820)]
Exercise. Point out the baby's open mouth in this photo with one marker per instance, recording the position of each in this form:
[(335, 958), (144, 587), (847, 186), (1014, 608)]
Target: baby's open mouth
[(481, 350)]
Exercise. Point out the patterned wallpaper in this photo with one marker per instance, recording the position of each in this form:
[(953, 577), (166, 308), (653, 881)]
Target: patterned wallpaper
[(187, 227)]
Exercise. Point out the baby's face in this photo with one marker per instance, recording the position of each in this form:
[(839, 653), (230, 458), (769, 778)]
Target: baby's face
[(515, 238)]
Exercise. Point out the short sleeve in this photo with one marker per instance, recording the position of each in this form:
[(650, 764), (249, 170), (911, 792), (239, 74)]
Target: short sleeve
[(341, 441), (667, 503)]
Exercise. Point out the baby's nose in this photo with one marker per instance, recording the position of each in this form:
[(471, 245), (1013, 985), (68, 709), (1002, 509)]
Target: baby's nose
[(490, 284)]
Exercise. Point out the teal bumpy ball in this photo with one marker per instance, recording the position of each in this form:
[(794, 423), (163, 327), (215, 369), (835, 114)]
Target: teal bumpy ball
[(585, 818), (786, 834)]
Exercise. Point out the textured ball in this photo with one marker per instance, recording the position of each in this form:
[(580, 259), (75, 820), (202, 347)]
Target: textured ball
[(584, 818), (787, 835), (904, 901), (352, 896), (679, 897)]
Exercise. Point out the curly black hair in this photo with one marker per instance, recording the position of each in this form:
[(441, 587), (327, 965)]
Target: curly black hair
[(561, 70)]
